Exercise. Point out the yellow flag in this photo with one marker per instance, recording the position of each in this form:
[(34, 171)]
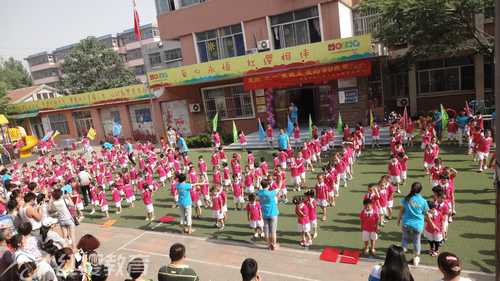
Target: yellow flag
[(371, 118), (91, 134), (55, 134)]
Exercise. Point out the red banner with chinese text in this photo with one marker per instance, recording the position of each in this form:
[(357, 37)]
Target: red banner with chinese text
[(315, 74)]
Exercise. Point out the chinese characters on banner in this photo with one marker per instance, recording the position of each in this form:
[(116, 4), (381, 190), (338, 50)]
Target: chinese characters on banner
[(316, 74), (344, 49), (99, 97)]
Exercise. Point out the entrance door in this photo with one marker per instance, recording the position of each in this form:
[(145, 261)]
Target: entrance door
[(313, 100)]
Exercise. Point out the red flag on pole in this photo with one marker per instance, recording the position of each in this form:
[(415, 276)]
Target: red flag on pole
[(467, 108), (137, 24), (405, 120)]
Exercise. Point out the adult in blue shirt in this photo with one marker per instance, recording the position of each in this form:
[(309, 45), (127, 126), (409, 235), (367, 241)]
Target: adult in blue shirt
[(130, 151), (107, 145), (183, 189), (293, 113), (413, 213), (283, 139), (439, 123), (269, 213), (181, 143), (5, 176), (67, 188), (462, 119)]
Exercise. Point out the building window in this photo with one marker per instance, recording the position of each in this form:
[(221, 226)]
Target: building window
[(296, 28), (59, 122), (363, 22), (134, 54), (61, 56), (38, 60), (173, 58), (129, 39), (231, 102), (226, 42), (45, 73), (185, 3), (155, 59), (139, 70), (164, 6), (83, 122), (150, 33), (445, 75), (399, 85)]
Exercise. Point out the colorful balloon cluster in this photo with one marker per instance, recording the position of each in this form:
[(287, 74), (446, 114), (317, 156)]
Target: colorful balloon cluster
[(270, 106)]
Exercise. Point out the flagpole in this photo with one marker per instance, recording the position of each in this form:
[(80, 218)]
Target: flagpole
[(146, 82)]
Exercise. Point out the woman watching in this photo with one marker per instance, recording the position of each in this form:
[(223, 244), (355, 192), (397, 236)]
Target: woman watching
[(450, 265), (395, 267)]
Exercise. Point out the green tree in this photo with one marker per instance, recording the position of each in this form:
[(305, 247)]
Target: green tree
[(431, 27), (91, 67), (13, 74), (4, 99)]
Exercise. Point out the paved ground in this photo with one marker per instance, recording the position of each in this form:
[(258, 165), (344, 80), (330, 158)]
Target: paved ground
[(215, 259)]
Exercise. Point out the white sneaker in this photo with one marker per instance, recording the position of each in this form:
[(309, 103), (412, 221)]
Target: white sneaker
[(262, 235), (93, 211), (256, 235), (416, 261)]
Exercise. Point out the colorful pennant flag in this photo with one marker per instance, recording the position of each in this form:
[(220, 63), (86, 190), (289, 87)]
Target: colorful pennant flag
[(467, 108), (235, 133), (371, 119), (262, 133), (444, 117), (55, 134), (91, 134), (214, 121), (117, 129), (290, 127), (310, 127), (339, 127), (137, 23)]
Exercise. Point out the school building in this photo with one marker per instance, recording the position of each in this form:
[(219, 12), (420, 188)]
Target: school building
[(248, 60)]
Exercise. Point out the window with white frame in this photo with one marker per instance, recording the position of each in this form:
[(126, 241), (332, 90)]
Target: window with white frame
[(225, 42), (231, 102), (59, 122), (155, 59), (445, 75), (296, 28)]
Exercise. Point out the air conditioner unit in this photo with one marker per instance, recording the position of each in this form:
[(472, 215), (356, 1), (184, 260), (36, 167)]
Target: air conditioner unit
[(263, 45), (251, 51), (195, 107), (402, 102)]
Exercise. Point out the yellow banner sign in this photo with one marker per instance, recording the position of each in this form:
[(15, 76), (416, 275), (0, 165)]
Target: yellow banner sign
[(86, 99), (282, 59)]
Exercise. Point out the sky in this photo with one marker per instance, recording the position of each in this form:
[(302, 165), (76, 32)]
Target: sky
[(28, 27)]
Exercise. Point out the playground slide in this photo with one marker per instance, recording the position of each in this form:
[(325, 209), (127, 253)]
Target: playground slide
[(25, 150)]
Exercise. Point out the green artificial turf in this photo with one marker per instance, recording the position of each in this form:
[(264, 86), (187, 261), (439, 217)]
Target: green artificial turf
[(471, 235)]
